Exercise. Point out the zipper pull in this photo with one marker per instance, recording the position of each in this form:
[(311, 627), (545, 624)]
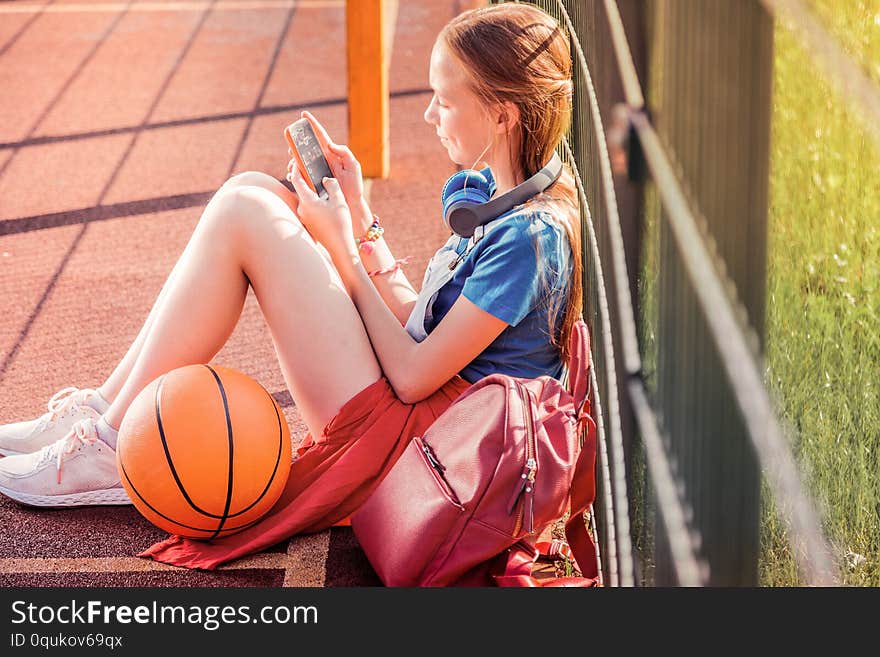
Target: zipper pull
[(532, 466), (530, 508), (432, 459), (526, 483), (523, 482)]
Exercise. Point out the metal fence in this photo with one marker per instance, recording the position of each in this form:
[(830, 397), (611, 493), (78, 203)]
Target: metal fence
[(670, 147)]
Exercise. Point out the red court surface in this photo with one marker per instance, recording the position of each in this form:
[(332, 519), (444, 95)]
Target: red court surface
[(118, 120)]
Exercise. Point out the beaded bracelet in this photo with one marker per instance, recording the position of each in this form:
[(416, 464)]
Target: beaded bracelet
[(374, 232)]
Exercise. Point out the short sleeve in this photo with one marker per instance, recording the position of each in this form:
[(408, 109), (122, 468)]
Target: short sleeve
[(504, 279)]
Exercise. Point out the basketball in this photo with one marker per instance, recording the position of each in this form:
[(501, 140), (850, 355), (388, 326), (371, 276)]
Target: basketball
[(203, 451)]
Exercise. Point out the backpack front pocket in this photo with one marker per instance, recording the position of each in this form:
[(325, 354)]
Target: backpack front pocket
[(408, 518)]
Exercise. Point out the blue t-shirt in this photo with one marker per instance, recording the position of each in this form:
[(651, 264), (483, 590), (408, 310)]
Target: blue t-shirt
[(501, 276)]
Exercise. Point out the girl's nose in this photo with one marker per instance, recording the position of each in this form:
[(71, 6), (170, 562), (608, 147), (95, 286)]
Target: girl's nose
[(429, 113)]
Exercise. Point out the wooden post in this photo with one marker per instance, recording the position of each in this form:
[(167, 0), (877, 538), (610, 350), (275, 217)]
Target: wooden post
[(367, 46)]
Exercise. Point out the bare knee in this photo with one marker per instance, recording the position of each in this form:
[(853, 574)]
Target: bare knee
[(240, 211), (256, 179), (251, 178), (265, 181)]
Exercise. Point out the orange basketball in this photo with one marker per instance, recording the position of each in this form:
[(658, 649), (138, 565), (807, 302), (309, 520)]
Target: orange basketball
[(203, 451)]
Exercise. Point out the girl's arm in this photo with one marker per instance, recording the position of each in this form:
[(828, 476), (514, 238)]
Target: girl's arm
[(414, 369), (393, 287), (417, 369)]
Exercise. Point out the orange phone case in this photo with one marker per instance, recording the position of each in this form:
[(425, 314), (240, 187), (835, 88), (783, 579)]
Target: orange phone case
[(299, 161), (303, 167)]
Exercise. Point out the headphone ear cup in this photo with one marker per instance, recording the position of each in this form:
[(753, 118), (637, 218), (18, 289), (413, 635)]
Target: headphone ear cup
[(464, 189)]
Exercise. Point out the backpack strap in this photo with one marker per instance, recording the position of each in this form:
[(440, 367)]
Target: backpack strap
[(583, 493), (579, 364), (515, 568), (583, 487)]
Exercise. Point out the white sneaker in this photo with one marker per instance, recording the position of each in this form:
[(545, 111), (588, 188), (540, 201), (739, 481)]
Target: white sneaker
[(66, 407), (77, 470)]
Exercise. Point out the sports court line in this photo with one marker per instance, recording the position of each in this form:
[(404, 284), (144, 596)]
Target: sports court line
[(229, 5), (25, 330), (50, 286), (199, 120), (70, 80), (307, 560), (103, 212), (112, 211), (303, 563), (208, 9), (15, 37), (34, 565), (279, 44)]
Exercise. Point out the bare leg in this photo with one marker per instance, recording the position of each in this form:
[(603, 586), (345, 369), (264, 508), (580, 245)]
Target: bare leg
[(111, 387), (249, 233)]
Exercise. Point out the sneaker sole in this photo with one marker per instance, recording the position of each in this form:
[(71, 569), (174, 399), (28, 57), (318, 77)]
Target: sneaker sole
[(11, 452), (106, 497), (5, 451)]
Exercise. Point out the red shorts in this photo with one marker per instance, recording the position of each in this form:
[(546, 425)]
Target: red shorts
[(331, 476)]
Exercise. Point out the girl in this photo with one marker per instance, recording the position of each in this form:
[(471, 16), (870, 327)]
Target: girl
[(367, 365)]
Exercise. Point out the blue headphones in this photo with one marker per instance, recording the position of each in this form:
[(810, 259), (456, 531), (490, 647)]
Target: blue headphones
[(466, 195)]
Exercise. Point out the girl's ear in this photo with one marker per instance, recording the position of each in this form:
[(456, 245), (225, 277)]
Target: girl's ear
[(506, 117)]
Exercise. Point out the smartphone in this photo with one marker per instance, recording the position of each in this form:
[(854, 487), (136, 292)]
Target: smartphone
[(307, 151)]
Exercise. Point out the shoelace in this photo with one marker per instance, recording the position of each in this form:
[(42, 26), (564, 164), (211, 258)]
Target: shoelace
[(60, 402), (82, 433)]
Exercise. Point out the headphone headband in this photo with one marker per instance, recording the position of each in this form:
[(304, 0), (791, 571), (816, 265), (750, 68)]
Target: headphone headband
[(465, 214)]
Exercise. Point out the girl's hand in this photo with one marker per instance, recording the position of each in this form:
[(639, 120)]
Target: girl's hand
[(344, 165), (327, 220)]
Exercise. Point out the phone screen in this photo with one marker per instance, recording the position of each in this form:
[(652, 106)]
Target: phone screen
[(310, 154)]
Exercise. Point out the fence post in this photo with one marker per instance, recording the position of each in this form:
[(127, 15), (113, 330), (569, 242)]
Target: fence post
[(367, 47)]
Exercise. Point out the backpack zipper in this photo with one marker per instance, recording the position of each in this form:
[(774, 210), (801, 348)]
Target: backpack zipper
[(429, 453), (526, 487), (438, 468)]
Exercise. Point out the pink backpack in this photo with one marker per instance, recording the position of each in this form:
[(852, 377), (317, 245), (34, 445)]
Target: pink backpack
[(465, 503)]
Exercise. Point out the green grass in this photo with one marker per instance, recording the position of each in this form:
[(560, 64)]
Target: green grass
[(823, 323)]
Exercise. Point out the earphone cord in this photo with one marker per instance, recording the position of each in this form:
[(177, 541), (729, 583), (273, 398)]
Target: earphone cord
[(477, 162)]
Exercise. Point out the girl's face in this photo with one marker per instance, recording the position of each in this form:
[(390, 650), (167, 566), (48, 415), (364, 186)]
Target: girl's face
[(461, 121)]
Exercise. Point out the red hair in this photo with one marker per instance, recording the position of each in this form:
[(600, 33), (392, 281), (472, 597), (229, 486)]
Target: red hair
[(519, 54)]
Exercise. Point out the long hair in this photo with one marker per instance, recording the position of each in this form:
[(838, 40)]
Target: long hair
[(518, 53)]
